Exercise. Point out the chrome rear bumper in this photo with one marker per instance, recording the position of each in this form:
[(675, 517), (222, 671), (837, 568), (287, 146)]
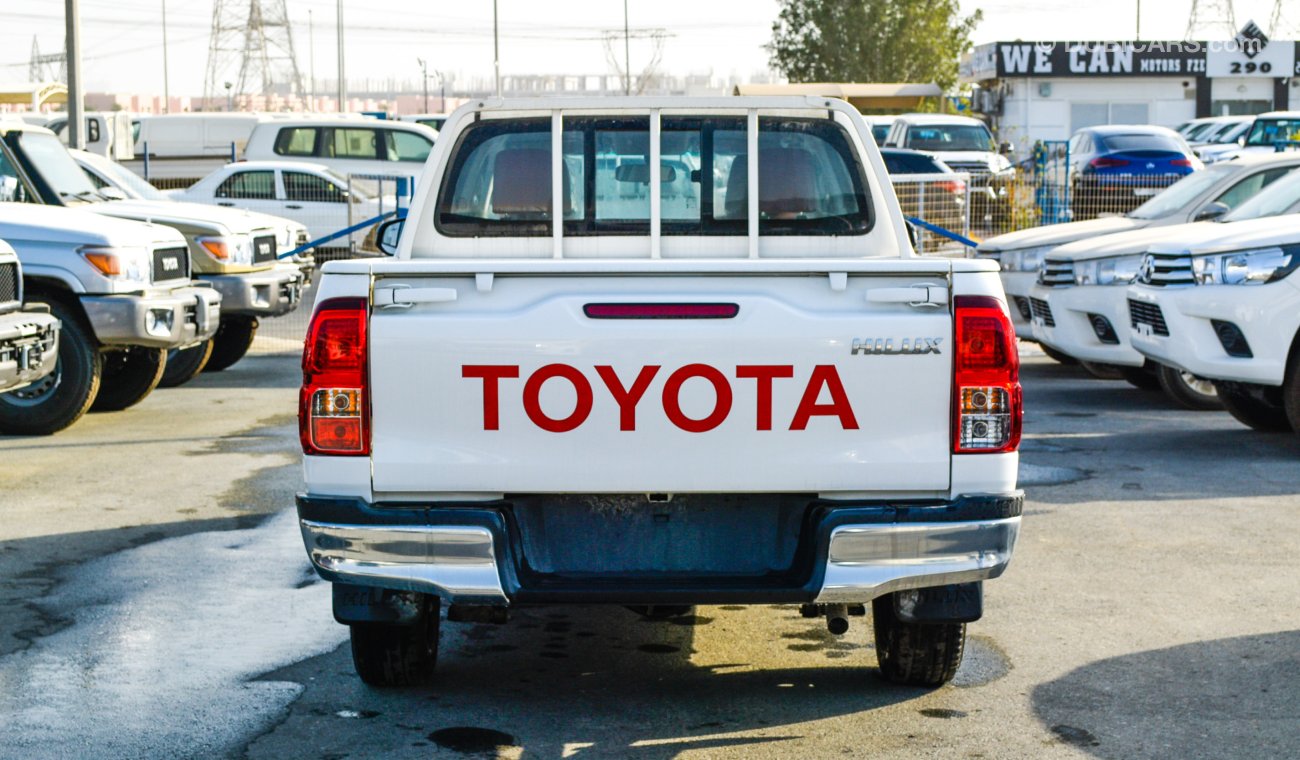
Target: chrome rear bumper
[(461, 563)]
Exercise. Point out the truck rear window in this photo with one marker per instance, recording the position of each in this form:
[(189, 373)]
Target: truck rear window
[(810, 181)]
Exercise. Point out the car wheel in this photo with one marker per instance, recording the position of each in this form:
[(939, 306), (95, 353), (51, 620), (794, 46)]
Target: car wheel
[(1143, 378), (233, 339), (915, 654), (1188, 390), (1259, 407), (60, 398), (1290, 391), (1102, 371), (130, 374), (392, 654), (1057, 356), (184, 364)]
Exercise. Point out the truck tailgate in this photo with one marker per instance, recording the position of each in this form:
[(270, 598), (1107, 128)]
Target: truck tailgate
[(660, 384)]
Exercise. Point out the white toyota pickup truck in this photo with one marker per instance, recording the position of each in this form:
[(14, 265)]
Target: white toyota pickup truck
[(724, 377), (1228, 308)]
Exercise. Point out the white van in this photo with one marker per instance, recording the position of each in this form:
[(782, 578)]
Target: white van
[(195, 135), (372, 146)]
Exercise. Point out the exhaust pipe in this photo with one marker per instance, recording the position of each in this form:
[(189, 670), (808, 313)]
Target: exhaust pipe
[(837, 618)]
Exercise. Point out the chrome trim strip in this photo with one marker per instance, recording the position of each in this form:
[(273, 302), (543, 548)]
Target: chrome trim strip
[(866, 561), (458, 563)]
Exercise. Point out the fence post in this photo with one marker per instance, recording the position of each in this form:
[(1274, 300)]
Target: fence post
[(351, 249), (920, 213), (965, 216), (233, 154), (146, 160)]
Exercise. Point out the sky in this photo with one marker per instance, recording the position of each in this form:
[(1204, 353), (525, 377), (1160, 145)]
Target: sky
[(122, 39)]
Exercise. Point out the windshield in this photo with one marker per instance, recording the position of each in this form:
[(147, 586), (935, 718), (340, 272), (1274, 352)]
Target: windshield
[(1269, 131), (1175, 198), (1277, 198), (1199, 131), (131, 183), (950, 137), (1230, 133), (1139, 141), (54, 164)]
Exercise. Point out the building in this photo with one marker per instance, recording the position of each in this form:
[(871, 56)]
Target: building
[(1030, 91)]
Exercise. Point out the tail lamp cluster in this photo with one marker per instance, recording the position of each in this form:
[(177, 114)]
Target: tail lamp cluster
[(333, 405), (987, 400)]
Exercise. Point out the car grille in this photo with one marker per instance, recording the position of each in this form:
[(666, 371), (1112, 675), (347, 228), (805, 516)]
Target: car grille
[(171, 264), (1148, 314), (264, 248), (1056, 272), (1041, 310), (1167, 270), (979, 172), (8, 282)]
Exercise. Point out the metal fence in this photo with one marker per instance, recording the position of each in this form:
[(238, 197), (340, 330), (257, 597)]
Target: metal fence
[(943, 200)]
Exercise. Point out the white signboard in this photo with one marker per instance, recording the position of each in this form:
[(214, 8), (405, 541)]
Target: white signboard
[(1250, 54)]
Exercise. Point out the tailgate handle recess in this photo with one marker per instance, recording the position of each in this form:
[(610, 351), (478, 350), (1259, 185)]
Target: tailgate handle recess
[(924, 296), (405, 296)]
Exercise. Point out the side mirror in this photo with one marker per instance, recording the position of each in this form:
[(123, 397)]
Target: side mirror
[(388, 235), (914, 235), (1006, 148), (1241, 141), (112, 193), (1211, 212)]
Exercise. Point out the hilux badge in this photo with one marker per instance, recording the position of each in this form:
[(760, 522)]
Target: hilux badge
[(888, 347)]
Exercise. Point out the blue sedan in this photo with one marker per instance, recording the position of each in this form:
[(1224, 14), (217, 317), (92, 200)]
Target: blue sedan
[(1115, 168)]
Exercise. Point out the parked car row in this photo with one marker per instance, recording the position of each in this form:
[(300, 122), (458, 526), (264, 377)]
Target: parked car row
[(1190, 293), (145, 291)]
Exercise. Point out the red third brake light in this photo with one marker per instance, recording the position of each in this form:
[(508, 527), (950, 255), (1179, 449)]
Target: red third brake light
[(1104, 163), (987, 402), (334, 404)]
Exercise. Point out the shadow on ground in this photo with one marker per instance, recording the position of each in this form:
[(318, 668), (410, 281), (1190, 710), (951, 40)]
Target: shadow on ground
[(588, 682), (1244, 704)]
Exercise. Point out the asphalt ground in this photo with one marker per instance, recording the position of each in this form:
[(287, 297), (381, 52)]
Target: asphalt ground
[(157, 603)]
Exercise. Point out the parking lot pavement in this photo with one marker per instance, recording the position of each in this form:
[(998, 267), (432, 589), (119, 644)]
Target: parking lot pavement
[(160, 606)]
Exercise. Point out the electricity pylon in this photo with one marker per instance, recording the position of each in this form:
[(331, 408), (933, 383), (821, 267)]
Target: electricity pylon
[(251, 51)]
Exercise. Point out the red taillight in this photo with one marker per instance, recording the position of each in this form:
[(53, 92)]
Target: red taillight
[(1181, 162), (986, 378), (1104, 163), (333, 405)]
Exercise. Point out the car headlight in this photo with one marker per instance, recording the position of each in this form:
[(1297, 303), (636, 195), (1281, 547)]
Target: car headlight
[(1256, 266), (1112, 270), (129, 264), (228, 249), (1024, 259)]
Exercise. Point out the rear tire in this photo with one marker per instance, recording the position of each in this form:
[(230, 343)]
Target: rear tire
[(1141, 378), (915, 654), (130, 374), (184, 364), (390, 655), (1188, 390), (1102, 371), (1057, 356), (1258, 407), (233, 339), (61, 397)]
